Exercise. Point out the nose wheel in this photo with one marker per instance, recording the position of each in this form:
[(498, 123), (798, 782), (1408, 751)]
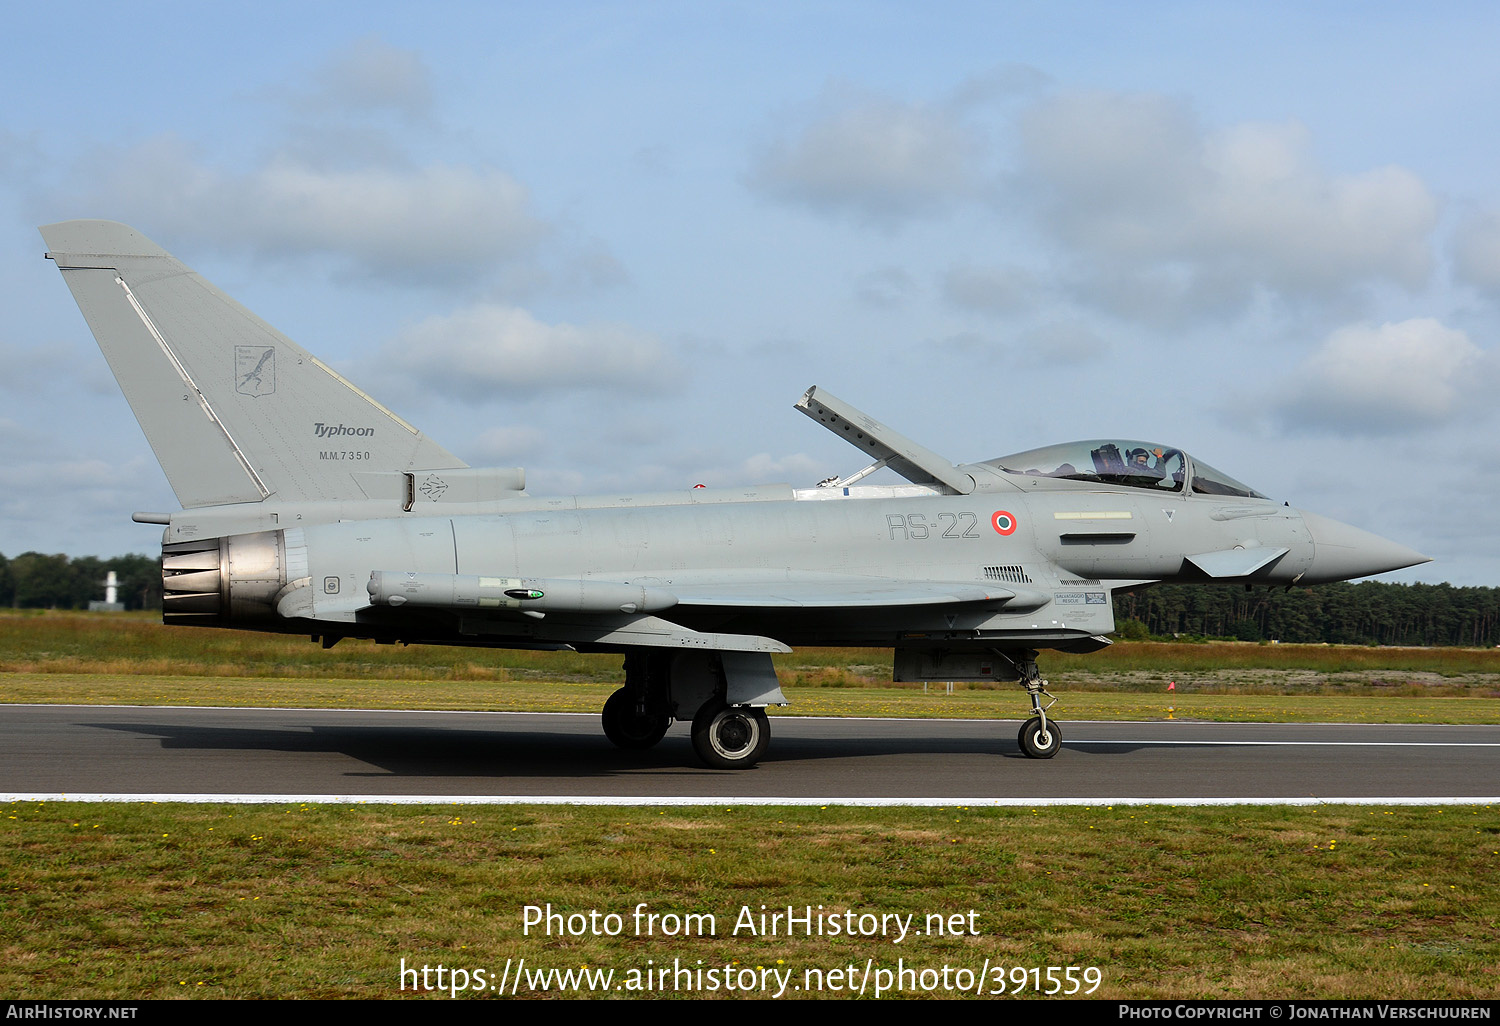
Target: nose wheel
[(1039, 738)]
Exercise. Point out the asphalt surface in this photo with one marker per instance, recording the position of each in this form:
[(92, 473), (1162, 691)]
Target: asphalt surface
[(112, 750)]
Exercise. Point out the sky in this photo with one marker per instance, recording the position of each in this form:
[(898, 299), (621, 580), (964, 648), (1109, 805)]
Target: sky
[(614, 242)]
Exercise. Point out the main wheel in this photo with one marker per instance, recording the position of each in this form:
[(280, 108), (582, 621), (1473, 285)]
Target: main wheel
[(730, 736), (626, 728), (1037, 743)]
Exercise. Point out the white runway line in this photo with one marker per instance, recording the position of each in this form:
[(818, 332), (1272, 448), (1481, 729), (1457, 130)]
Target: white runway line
[(1293, 744), (712, 800)]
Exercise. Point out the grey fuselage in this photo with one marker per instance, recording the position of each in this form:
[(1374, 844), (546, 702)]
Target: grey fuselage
[(777, 564)]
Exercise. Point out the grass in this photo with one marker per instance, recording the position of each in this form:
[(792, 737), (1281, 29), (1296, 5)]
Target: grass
[(51, 657), (156, 901), (151, 901), (46, 641)]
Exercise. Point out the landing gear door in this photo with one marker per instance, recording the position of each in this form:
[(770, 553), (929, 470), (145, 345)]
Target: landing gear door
[(750, 679)]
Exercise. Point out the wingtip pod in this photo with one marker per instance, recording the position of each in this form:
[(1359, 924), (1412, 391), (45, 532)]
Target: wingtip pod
[(80, 243)]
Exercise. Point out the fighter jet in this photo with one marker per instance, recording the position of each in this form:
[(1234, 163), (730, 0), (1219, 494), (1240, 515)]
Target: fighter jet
[(309, 508)]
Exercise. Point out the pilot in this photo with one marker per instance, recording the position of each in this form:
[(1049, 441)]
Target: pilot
[(1141, 466)]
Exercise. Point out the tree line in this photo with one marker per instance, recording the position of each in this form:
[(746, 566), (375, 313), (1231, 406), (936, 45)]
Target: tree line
[(1368, 613), (34, 580)]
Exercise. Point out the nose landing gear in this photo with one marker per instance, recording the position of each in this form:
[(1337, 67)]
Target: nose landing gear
[(1040, 736)]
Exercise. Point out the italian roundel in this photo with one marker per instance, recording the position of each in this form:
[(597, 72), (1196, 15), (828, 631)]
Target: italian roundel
[(1003, 522)]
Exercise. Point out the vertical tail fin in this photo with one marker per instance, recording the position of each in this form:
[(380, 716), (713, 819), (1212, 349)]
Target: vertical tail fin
[(234, 410)]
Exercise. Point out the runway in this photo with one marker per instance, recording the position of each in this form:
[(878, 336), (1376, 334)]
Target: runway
[(114, 752)]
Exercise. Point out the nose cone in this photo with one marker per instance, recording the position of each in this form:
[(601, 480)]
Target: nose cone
[(1342, 553)]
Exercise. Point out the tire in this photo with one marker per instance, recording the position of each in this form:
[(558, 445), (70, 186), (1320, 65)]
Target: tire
[(627, 729), (1036, 744), (731, 736)]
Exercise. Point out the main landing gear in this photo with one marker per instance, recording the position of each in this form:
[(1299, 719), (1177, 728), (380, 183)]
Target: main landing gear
[(660, 687)]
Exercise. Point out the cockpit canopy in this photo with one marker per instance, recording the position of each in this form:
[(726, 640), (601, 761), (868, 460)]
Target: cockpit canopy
[(1117, 462)]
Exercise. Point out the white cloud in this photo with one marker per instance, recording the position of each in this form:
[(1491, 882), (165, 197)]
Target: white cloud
[(1112, 169), (1387, 379), (876, 158), (1142, 210), (1132, 185), (341, 175), (491, 348), (451, 219)]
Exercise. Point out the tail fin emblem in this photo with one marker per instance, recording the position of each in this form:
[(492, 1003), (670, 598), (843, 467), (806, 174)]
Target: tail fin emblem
[(255, 370)]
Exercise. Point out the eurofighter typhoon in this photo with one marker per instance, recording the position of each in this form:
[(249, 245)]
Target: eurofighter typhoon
[(309, 508)]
